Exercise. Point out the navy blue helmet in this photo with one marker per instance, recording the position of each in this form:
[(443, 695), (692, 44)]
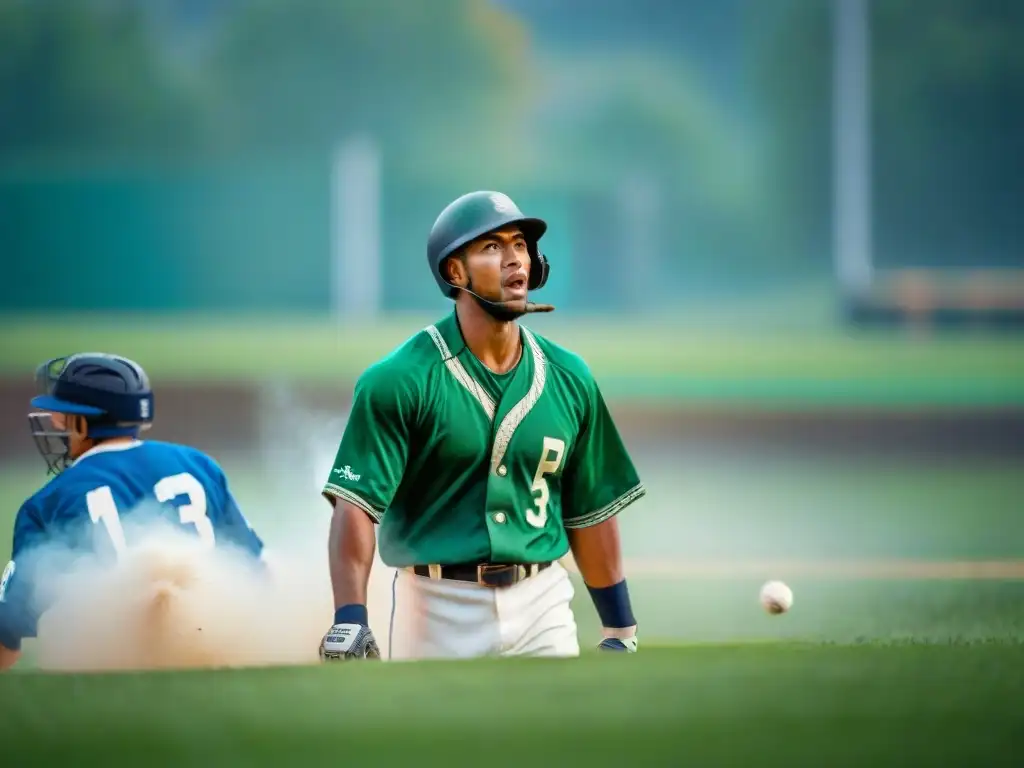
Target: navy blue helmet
[(111, 392)]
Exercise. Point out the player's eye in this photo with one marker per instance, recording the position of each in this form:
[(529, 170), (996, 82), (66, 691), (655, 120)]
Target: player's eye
[(520, 245)]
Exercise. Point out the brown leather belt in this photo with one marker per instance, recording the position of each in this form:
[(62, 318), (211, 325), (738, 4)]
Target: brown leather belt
[(484, 574)]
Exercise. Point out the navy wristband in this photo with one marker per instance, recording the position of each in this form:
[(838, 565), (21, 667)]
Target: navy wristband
[(612, 604), (352, 614)]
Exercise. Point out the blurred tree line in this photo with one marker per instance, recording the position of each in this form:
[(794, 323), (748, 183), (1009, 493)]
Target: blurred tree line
[(223, 77)]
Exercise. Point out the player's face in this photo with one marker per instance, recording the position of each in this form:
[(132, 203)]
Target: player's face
[(60, 437), (75, 430), (497, 265)]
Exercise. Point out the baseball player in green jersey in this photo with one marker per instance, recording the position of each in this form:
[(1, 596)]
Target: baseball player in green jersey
[(484, 453)]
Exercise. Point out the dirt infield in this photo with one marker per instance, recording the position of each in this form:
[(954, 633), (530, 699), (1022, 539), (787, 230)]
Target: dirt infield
[(231, 418), (824, 569)]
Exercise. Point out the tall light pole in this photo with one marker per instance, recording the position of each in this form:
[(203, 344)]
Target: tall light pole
[(356, 267), (851, 145)]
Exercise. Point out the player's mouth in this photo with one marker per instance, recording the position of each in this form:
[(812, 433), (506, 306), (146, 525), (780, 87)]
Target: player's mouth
[(515, 284)]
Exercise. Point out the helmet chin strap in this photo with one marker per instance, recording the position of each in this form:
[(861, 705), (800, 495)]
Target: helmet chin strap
[(506, 311)]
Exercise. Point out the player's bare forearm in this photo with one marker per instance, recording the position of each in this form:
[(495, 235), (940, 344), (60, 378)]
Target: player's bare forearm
[(353, 542), (8, 658), (598, 553)]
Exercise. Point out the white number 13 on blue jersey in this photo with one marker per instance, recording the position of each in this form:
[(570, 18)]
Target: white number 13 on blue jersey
[(102, 508)]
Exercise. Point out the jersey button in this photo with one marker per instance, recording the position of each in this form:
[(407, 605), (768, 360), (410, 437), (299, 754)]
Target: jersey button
[(499, 518), (502, 470)]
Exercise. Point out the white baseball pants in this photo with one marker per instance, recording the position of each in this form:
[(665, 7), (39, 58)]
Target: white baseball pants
[(443, 619)]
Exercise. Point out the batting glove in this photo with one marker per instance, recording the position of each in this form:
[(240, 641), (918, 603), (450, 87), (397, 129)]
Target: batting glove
[(627, 645), (344, 642)]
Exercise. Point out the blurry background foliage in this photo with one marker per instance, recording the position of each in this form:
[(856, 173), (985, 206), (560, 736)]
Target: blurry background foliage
[(206, 128)]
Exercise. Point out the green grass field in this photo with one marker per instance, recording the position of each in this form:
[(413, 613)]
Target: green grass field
[(753, 365), (759, 705), (863, 671)]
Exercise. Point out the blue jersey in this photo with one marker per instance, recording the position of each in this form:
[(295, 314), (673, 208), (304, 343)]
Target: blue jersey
[(93, 506)]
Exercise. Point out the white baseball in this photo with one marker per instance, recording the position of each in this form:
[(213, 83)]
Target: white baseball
[(776, 597)]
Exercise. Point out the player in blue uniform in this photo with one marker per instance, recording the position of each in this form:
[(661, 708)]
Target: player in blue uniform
[(87, 427)]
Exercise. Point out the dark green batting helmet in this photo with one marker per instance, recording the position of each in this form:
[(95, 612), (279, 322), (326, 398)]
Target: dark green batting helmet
[(476, 214)]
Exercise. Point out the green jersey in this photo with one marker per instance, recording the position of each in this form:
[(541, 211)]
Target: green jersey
[(461, 465)]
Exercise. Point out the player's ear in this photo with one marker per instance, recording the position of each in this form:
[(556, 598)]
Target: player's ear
[(77, 423), (456, 272)]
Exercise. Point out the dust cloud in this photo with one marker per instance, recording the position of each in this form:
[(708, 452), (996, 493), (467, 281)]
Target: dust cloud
[(169, 603)]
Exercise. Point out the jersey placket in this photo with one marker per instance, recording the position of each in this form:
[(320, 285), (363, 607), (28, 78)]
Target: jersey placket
[(500, 502), (503, 521)]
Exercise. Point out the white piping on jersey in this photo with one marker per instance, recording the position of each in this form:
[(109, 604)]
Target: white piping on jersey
[(107, 448), (355, 499), (460, 373), (608, 510), (519, 411)]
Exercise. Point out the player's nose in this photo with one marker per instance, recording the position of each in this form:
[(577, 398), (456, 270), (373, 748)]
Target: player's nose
[(513, 259)]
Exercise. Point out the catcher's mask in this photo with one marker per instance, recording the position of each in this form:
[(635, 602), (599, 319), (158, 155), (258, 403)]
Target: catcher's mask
[(112, 393)]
